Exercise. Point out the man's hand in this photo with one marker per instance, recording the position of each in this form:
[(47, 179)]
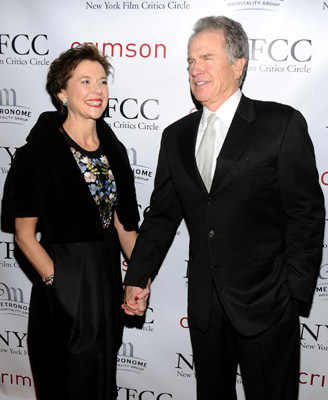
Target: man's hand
[(135, 300)]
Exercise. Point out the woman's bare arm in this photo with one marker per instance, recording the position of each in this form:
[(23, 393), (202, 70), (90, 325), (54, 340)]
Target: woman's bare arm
[(31, 248)]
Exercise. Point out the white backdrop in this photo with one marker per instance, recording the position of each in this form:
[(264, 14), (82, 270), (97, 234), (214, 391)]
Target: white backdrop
[(146, 41)]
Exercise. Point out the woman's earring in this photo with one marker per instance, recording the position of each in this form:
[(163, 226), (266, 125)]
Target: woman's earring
[(64, 103)]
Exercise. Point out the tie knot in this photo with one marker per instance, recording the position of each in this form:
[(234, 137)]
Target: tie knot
[(211, 119)]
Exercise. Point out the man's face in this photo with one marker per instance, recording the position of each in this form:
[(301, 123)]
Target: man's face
[(212, 79)]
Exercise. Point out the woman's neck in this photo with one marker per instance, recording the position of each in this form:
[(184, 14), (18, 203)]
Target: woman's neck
[(84, 133)]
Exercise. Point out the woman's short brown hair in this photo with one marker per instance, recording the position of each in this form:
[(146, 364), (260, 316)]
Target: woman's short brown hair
[(62, 67)]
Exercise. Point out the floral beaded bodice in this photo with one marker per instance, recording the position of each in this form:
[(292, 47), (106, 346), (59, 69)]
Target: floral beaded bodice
[(98, 175)]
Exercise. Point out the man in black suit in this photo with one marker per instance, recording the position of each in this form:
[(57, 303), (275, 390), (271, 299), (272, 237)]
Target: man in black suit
[(254, 209)]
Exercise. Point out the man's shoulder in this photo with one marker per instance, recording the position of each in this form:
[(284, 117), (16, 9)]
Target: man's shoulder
[(267, 111), (267, 106), (271, 113)]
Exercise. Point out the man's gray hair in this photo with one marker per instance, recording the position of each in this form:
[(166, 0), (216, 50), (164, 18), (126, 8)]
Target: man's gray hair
[(236, 40)]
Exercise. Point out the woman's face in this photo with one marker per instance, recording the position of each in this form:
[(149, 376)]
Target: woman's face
[(86, 93)]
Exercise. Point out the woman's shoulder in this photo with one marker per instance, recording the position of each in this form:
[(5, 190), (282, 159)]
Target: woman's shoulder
[(23, 155)]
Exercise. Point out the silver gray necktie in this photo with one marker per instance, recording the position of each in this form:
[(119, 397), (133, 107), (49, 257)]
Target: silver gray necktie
[(204, 156)]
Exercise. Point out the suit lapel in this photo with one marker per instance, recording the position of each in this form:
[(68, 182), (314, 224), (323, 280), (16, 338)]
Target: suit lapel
[(236, 140)]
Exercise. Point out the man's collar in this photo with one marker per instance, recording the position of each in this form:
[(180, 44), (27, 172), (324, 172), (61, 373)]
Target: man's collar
[(226, 111)]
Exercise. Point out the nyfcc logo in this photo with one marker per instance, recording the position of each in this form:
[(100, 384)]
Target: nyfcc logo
[(13, 343), (134, 114), (280, 55), (125, 393), (147, 324), (314, 337), (185, 366), (23, 49), (7, 156)]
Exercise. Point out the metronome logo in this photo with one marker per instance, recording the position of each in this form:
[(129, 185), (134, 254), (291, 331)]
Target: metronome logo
[(10, 111), (127, 361), (142, 173), (322, 283), (12, 301), (255, 5)]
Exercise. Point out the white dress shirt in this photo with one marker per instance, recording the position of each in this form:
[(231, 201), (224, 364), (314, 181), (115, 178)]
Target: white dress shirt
[(225, 113)]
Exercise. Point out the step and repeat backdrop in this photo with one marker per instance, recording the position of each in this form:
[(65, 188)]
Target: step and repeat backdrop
[(147, 44)]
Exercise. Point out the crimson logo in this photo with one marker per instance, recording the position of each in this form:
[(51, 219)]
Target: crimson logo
[(130, 50), (184, 322), (324, 178), (312, 379), (124, 266), (17, 380)]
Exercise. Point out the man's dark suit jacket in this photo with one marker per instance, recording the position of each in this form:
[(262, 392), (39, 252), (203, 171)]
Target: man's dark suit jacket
[(258, 234)]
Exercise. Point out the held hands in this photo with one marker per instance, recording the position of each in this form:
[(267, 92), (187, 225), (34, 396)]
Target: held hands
[(135, 300)]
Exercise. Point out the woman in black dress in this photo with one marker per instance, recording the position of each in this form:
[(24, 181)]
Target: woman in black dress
[(73, 183)]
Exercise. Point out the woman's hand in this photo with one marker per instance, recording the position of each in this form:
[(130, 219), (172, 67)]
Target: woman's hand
[(31, 248), (136, 299)]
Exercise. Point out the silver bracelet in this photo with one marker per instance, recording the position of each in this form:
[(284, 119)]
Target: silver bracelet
[(49, 280)]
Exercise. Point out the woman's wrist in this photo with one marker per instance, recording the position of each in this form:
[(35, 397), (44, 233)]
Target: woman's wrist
[(49, 280)]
